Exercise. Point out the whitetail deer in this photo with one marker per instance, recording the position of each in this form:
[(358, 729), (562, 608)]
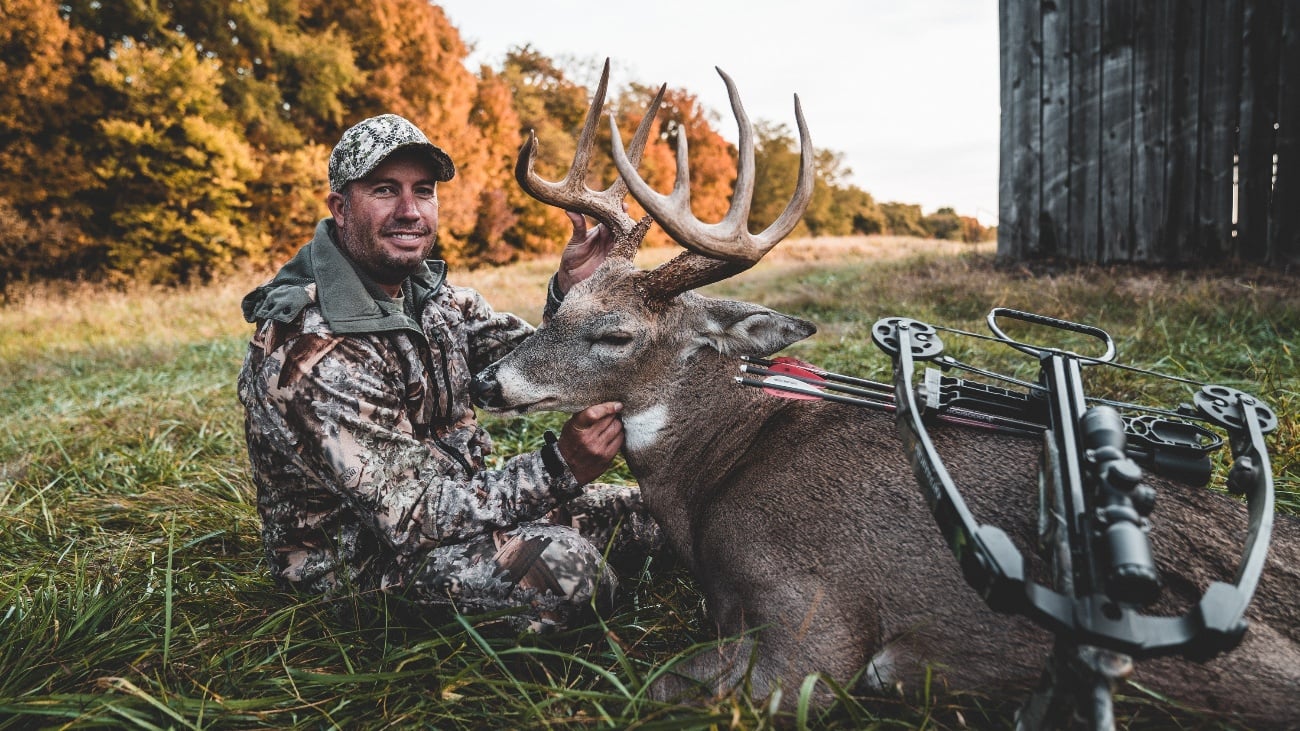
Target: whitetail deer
[(800, 520)]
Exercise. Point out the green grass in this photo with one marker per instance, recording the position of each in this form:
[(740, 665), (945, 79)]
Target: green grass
[(132, 586)]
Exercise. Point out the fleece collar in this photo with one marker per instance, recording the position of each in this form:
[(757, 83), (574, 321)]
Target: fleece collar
[(346, 302)]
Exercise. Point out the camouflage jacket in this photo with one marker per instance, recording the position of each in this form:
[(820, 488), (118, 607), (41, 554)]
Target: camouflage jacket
[(364, 446)]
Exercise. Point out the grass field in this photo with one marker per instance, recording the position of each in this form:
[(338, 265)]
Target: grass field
[(132, 585)]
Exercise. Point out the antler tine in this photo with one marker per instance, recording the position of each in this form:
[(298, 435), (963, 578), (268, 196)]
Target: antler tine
[(571, 192), (628, 245), (639, 138), (803, 188), (729, 239)]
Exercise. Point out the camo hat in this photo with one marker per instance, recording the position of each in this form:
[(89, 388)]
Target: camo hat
[(368, 142)]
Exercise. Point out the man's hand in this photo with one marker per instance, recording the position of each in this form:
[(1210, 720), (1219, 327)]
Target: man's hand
[(585, 251), (591, 439)]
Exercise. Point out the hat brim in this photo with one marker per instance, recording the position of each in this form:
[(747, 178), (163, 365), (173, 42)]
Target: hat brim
[(443, 168)]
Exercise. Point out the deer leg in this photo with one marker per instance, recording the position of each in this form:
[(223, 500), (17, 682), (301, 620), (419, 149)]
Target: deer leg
[(708, 673)]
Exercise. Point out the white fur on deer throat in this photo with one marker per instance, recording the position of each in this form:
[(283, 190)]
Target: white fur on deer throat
[(641, 430)]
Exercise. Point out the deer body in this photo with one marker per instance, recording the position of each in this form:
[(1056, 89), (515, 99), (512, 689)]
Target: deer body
[(795, 514), (800, 520)]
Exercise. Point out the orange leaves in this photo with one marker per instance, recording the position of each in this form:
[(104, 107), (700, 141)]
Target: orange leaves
[(185, 138)]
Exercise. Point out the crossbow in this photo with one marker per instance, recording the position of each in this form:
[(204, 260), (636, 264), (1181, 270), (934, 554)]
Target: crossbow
[(1094, 507)]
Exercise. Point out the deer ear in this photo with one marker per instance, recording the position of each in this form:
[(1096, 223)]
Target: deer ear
[(739, 328)]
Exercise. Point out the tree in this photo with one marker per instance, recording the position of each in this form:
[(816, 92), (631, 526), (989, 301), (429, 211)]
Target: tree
[(863, 212), (286, 74), (288, 198), (282, 80), (551, 106), (498, 236), (972, 231), (869, 221), (943, 224), (851, 211), (836, 209), (287, 77), (36, 247), (47, 111), (175, 165), (776, 167), (903, 219)]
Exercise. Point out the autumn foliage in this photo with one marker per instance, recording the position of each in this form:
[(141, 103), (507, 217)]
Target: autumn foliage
[(171, 142)]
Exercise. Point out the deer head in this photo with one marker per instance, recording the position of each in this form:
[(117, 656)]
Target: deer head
[(623, 327)]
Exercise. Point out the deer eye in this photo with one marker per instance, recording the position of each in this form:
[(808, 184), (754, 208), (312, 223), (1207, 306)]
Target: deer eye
[(613, 339)]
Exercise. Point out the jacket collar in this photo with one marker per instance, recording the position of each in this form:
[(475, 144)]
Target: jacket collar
[(346, 303)]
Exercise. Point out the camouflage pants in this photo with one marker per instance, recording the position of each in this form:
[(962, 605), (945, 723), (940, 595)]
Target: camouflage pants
[(551, 571)]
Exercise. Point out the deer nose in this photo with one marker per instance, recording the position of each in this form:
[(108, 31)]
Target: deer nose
[(484, 389)]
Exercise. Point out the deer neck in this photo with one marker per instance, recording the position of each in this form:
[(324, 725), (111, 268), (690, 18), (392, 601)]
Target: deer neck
[(682, 442)]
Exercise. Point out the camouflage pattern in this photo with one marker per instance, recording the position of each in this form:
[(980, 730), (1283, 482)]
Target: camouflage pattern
[(368, 142), (613, 517), (550, 573), (369, 465)]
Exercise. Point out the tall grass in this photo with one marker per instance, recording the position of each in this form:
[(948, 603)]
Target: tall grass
[(132, 586)]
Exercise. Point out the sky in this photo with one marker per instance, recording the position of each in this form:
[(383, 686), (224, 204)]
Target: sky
[(906, 91)]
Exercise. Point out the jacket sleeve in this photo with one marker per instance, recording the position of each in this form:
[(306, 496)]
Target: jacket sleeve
[(490, 335), (341, 398)]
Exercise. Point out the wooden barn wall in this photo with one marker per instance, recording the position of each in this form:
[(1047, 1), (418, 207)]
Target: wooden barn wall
[(1157, 131)]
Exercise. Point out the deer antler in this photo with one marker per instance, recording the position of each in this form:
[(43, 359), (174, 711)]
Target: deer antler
[(720, 250), (571, 192)]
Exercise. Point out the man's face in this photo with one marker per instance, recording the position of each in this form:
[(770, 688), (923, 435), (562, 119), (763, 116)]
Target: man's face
[(388, 220)]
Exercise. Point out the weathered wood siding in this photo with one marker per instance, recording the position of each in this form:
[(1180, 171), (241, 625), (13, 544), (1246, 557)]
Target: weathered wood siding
[(1160, 131)]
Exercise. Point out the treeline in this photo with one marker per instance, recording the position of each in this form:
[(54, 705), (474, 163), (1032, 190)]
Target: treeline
[(170, 142)]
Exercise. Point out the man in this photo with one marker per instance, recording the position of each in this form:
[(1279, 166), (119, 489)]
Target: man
[(365, 450)]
